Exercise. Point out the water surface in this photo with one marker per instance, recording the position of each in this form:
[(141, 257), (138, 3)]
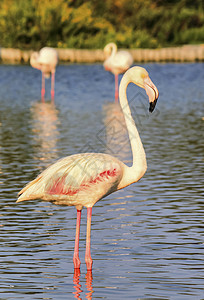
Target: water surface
[(147, 240)]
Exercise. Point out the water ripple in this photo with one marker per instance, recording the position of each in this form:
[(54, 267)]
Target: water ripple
[(147, 240)]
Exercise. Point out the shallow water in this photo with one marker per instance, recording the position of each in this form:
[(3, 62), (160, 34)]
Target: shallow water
[(147, 240)]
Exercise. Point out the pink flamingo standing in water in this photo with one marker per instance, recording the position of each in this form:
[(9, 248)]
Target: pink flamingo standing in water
[(117, 62), (83, 179), (45, 60)]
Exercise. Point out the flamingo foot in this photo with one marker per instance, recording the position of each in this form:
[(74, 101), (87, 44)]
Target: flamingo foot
[(76, 261), (89, 263)]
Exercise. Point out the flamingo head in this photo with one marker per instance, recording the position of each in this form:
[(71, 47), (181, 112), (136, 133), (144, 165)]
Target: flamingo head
[(140, 77), (109, 48), (34, 60)]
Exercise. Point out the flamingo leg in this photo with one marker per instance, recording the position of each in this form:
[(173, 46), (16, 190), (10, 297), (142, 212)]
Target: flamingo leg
[(88, 258), (53, 87), (43, 88), (76, 259), (116, 87)]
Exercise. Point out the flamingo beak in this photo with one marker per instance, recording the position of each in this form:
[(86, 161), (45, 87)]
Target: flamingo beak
[(152, 92), (152, 105)]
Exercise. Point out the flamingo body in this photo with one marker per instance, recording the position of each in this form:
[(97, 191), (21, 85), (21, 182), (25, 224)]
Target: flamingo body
[(46, 61), (83, 179), (79, 180), (117, 62)]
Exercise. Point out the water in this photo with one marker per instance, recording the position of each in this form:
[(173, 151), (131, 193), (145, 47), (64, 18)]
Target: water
[(147, 240)]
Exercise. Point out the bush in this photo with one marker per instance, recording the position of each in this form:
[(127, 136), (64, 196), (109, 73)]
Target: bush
[(91, 24)]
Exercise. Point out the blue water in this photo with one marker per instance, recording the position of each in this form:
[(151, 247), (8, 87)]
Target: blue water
[(148, 239)]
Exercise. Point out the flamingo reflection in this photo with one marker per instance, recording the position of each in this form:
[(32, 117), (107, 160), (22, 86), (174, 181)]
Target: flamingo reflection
[(77, 285), (89, 280), (45, 133)]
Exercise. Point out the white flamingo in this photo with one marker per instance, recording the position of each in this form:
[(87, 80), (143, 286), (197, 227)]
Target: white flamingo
[(117, 62), (83, 179), (45, 60)]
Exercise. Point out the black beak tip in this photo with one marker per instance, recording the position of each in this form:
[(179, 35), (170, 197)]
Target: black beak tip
[(152, 105)]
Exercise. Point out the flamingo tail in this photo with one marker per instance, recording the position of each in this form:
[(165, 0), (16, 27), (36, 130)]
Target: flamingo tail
[(29, 191)]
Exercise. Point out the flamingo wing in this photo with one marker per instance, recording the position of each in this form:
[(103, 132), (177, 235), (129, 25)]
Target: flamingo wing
[(48, 56), (118, 63), (80, 179)]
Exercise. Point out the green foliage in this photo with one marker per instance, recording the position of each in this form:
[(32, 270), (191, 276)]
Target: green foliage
[(16, 21), (91, 23)]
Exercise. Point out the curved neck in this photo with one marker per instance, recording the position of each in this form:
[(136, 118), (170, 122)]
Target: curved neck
[(138, 153), (113, 49), (34, 61)]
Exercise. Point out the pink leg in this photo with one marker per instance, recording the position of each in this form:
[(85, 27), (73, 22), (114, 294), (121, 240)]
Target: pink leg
[(88, 258), (53, 87), (116, 87), (76, 259), (43, 88)]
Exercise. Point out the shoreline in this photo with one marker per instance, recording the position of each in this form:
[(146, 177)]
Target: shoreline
[(186, 53)]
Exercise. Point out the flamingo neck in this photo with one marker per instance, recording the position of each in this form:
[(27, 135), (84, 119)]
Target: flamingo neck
[(34, 61), (139, 165), (113, 49)]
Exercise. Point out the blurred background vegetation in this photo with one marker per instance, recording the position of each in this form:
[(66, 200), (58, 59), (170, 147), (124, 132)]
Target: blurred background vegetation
[(90, 24)]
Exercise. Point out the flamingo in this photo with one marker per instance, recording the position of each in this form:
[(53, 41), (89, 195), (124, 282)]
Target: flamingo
[(117, 62), (81, 180), (45, 60)]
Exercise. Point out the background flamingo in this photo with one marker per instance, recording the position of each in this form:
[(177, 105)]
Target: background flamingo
[(45, 60), (117, 62), (83, 179)]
